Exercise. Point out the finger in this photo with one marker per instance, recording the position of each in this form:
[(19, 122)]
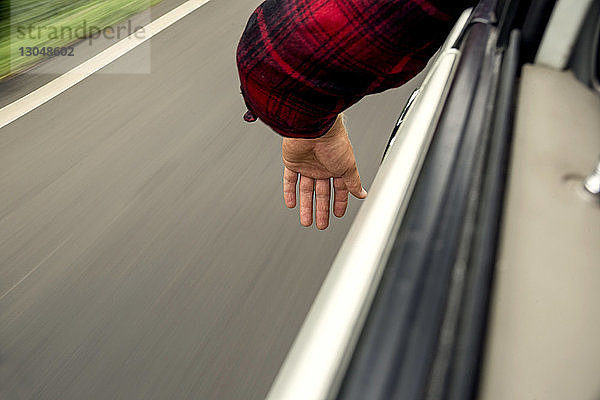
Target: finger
[(306, 200), (352, 181), (289, 187), (340, 197), (322, 194)]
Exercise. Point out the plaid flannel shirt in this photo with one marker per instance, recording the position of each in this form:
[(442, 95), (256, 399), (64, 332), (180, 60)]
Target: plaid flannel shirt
[(302, 62)]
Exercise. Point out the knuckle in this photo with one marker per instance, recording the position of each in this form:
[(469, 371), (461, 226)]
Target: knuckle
[(322, 191), (354, 186), (306, 207), (323, 208), (306, 183)]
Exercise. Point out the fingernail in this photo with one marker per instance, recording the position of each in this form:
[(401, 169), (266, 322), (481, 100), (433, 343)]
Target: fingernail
[(363, 193)]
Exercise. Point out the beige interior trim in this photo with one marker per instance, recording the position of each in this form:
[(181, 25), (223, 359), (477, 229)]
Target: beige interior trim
[(544, 340), (561, 33)]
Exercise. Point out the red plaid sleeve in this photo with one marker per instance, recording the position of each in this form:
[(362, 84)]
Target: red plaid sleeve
[(302, 62)]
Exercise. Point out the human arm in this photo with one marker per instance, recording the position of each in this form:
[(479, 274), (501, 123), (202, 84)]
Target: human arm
[(302, 62)]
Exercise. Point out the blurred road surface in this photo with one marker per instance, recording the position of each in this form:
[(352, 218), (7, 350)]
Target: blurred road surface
[(145, 251)]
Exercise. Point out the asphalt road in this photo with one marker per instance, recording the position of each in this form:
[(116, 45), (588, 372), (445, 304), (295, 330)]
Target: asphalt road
[(145, 251)]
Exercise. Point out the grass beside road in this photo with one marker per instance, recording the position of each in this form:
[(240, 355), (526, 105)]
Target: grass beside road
[(55, 23)]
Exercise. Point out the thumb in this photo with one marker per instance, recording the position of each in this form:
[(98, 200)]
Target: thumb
[(352, 181)]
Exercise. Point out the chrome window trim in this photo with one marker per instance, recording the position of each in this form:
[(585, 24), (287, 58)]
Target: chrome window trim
[(458, 30)]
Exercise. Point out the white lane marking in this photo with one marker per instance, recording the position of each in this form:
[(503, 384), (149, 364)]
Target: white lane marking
[(35, 268), (53, 88)]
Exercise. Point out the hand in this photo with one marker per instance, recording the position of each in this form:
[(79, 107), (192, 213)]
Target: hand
[(318, 160)]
